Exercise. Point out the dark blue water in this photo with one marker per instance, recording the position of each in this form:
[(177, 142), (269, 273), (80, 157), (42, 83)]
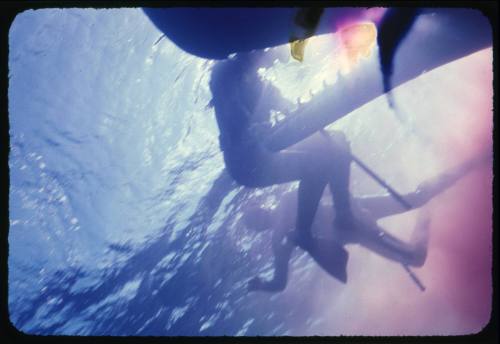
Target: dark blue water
[(118, 223)]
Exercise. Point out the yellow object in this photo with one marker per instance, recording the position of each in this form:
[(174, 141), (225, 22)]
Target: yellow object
[(297, 49), (357, 41)]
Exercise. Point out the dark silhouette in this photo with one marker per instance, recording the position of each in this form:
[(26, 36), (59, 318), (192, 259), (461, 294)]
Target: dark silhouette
[(395, 25), (215, 33), (367, 210), (243, 104)]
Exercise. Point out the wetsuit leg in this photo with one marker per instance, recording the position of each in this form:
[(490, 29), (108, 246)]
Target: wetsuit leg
[(310, 167), (338, 151), (315, 163), (309, 194), (339, 187), (319, 160), (282, 250)]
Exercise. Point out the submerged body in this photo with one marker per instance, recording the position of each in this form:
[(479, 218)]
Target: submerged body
[(368, 234), (243, 104)]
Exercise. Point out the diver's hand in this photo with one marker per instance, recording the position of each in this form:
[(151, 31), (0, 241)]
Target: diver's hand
[(430, 188)]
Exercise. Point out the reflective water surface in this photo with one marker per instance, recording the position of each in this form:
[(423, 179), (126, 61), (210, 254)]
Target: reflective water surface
[(121, 225)]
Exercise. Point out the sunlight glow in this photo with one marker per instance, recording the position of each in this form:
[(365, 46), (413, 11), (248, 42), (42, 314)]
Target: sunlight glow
[(357, 41)]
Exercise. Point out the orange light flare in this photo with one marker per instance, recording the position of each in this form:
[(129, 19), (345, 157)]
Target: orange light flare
[(356, 41)]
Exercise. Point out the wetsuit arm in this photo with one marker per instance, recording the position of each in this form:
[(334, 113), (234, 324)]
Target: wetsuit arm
[(380, 206), (385, 205)]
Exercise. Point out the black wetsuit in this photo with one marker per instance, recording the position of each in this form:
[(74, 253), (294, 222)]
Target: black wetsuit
[(242, 102)]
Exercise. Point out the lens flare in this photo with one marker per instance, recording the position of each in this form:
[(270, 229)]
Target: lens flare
[(357, 41)]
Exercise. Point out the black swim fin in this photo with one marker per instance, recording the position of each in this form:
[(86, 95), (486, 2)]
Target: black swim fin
[(395, 25)]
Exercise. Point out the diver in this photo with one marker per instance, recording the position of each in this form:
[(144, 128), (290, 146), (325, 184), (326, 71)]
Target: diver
[(243, 102), (369, 234)]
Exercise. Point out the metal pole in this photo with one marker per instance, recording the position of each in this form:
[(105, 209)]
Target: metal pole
[(401, 200), (372, 174)]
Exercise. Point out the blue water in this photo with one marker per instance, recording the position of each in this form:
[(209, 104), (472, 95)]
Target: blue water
[(112, 152), (118, 225)]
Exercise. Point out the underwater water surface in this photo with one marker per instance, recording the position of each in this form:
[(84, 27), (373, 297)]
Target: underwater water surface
[(120, 223)]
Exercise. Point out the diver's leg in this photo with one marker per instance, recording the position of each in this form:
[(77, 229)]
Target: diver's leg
[(309, 195), (339, 187), (339, 154), (282, 249), (317, 161), (302, 160), (312, 168), (312, 163)]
